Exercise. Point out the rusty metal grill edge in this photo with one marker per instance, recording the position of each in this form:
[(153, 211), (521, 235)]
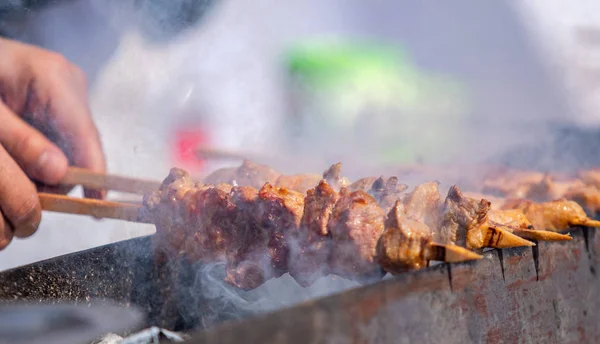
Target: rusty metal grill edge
[(509, 296)]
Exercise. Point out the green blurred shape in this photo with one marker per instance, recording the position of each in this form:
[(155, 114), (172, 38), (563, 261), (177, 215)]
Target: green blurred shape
[(411, 112)]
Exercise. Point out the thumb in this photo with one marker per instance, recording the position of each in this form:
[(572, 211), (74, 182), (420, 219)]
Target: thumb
[(37, 156)]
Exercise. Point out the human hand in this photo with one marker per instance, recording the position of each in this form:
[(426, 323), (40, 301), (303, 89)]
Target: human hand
[(45, 124)]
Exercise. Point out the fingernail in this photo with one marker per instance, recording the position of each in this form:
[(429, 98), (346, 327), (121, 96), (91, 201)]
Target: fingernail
[(6, 233), (51, 167), (96, 194)]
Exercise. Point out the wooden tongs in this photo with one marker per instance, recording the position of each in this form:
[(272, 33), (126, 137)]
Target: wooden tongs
[(100, 208)]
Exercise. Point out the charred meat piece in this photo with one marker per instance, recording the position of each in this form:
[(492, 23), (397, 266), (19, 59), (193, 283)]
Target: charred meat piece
[(208, 223), (262, 220), (465, 223), (424, 204), (512, 183), (310, 246), (462, 215), (280, 211), (555, 216), (586, 196), (510, 217), (387, 192), (222, 175), (549, 189), (590, 177), (248, 264), (333, 176), (402, 246), (496, 202), (248, 174), (168, 208), (407, 245), (300, 183), (553, 187), (355, 225)]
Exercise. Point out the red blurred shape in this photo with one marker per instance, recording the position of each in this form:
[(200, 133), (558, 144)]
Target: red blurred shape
[(186, 141)]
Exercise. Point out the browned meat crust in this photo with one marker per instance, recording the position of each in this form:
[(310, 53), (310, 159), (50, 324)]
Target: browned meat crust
[(247, 174), (311, 245), (462, 216), (355, 225), (403, 243), (300, 183)]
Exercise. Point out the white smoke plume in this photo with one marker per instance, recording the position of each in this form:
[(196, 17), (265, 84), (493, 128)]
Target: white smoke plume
[(146, 68)]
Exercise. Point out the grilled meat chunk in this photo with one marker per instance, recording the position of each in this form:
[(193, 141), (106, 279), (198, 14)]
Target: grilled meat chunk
[(404, 242), (310, 246), (263, 220), (248, 264), (549, 189), (590, 177), (424, 204), (587, 196), (555, 216), (280, 211), (466, 221), (364, 184), (167, 207), (355, 225), (385, 192), (511, 217), (300, 183), (247, 174), (207, 223), (512, 183), (333, 176), (461, 220)]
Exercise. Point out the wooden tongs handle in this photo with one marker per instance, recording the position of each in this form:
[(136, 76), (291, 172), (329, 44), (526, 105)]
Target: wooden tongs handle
[(100, 181), (100, 208), (92, 207)]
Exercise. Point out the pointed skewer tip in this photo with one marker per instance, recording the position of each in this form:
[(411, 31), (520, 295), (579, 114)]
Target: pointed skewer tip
[(501, 238), (590, 223), (540, 235), (451, 253)]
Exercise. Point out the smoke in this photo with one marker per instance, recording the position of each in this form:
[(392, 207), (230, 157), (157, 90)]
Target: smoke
[(151, 61), (211, 300)]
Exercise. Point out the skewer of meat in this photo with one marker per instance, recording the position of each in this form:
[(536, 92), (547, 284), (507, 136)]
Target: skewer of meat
[(408, 244), (427, 198), (582, 188), (255, 231), (465, 223), (556, 216), (545, 217), (347, 234), (515, 221), (386, 192)]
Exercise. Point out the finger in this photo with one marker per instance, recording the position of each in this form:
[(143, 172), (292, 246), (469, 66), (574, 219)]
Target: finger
[(58, 189), (37, 156), (6, 232), (74, 120), (19, 201)]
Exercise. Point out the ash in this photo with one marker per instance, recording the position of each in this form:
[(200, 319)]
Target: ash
[(153, 335)]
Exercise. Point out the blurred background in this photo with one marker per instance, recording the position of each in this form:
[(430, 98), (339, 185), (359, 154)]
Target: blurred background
[(303, 84)]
